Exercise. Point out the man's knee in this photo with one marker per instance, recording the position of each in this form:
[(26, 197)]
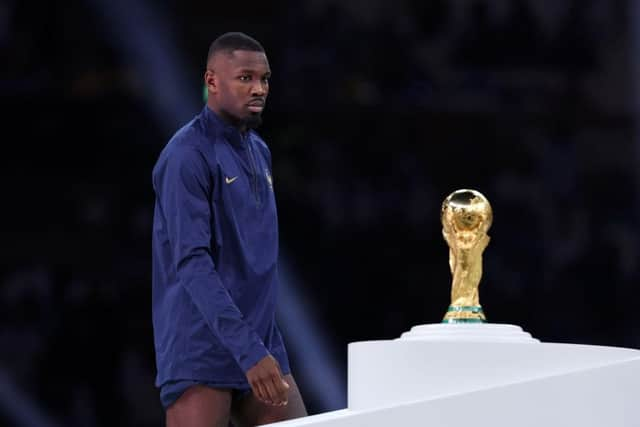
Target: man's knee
[(295, 406)]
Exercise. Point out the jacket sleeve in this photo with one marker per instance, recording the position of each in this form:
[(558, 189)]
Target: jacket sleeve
[(183, 188)]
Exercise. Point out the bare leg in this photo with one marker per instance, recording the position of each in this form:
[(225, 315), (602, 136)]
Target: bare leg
[(200, 406), (249, 411)]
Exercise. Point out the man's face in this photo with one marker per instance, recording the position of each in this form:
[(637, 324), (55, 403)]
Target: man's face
[(238, 84)]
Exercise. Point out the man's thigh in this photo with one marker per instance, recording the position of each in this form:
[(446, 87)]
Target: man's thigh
[(249, 411), (200, 406)]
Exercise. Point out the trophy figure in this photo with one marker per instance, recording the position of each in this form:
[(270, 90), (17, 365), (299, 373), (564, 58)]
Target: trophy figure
[(466, 216)]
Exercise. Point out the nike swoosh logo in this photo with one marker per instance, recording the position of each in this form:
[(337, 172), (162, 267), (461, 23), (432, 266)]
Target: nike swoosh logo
[(230, 180)]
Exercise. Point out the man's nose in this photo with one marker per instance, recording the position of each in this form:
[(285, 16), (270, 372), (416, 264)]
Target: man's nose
[(259, 88)]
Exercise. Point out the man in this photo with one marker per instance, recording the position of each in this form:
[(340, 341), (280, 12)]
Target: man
[(219, 352)]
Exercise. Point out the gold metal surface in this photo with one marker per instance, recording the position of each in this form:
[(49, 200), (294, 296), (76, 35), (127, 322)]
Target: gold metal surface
[(466, 217)]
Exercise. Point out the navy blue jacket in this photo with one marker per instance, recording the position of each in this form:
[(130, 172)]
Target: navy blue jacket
[(215, 250)]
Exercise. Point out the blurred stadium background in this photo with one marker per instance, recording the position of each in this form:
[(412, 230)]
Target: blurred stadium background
[(378, 110)]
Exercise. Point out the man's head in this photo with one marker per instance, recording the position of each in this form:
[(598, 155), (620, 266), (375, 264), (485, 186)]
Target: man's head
[(237, 79)]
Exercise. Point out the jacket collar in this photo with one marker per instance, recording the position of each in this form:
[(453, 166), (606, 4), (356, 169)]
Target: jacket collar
[(216, 127)]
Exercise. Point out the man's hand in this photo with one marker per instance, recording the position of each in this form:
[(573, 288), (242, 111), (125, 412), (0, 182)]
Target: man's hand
[(267, 382)]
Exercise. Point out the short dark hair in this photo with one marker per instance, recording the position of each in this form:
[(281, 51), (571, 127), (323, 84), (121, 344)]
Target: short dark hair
[(228, 42)]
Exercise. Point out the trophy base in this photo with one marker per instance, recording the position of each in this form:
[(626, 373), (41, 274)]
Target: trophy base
[(468, 333), (464, 314)]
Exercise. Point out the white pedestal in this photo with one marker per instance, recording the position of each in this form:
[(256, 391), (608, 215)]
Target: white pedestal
[(486, 374)]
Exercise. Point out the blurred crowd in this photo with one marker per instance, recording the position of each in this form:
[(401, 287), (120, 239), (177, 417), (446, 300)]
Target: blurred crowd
[(378, 111)]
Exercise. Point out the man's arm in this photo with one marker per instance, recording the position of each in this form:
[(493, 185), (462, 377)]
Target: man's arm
[(182, 186)]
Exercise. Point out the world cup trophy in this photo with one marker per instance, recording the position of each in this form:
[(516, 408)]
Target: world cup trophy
[(466, 217)]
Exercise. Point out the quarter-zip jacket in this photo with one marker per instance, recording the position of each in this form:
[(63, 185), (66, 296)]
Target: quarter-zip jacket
[(215, 250)]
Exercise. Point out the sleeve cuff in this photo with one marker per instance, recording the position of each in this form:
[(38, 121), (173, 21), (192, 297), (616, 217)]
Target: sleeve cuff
[(255, 353)]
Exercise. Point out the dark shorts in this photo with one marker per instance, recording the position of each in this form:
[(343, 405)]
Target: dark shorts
[(172, 390)]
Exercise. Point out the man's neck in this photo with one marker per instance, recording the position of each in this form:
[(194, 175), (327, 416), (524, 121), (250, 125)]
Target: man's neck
[(240, 125)]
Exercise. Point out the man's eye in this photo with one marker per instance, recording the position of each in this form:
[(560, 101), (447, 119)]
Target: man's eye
[(245, 78), (265, 80)]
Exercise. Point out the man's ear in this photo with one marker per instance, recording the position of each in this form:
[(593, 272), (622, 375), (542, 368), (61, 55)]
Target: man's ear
[(211, 81)]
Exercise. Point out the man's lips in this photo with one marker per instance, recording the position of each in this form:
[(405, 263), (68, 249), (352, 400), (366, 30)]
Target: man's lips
[(256, 105)]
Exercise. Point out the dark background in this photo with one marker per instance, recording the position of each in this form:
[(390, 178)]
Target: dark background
[(378, 110)]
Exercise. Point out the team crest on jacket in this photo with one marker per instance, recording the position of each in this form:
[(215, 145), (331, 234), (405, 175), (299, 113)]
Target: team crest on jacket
[(269, 179)]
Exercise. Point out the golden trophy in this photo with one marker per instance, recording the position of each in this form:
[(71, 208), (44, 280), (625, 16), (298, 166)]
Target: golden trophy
[(466, 216)]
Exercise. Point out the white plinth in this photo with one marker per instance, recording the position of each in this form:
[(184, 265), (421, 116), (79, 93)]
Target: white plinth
[(485, 374), (468, 332)]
